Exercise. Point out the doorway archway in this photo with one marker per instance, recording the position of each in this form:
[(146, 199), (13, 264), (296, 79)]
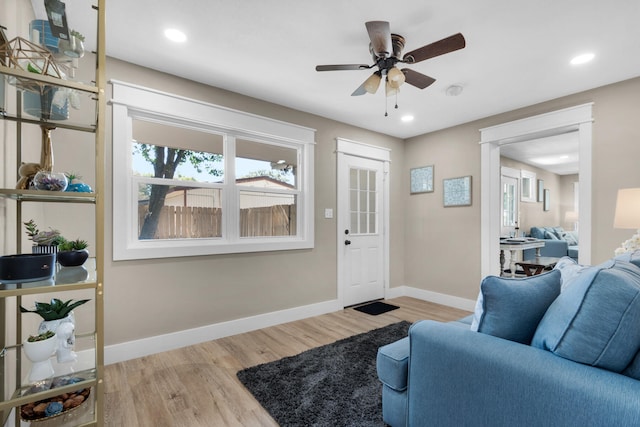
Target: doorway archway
[(578, 118)]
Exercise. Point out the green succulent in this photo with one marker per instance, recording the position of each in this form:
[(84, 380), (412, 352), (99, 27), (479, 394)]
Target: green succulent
[(55, 310), (41, 337), (43, 238), (77, 35), (72, 245)]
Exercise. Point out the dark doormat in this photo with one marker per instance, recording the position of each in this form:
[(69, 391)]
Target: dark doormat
[(375, 308)]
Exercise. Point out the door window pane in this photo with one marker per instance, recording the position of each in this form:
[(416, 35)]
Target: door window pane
[(363, 201)]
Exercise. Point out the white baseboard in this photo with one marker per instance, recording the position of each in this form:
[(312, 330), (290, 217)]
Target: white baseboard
[(438, 298), (144, 347)]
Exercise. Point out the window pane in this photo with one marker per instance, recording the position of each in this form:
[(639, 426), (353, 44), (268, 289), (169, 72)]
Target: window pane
[(354, 222), (364, 179), (363, 201), (171, 212), (156, 147), (353, 178), (267, 214), (260, 163)]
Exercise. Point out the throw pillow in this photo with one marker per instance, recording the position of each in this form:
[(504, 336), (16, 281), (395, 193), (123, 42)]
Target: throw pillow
[(558, 231), (595, 320), (512, 308), (550, 235), (537, 232), (571, 241), (569, 270)]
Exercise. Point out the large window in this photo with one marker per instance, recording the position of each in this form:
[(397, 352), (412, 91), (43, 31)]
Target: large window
[(208, 180)]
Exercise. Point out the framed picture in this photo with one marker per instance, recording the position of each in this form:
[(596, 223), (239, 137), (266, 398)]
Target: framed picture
[(527, 186), (457, 191), (540, 190), (547, 200), (422, 180)]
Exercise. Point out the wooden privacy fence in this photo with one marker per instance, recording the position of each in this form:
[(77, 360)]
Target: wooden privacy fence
[(177, 222)]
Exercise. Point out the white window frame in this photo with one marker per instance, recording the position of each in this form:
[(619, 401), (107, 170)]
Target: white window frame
[(132, 101)]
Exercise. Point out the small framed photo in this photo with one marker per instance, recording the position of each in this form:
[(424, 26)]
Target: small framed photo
[(457, 191), (422, 180), (540, 190)]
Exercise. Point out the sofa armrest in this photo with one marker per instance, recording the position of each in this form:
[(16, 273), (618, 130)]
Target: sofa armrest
[(459, 377), (552, 248)]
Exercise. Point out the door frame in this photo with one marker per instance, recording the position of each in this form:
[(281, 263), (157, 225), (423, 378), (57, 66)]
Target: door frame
[(344, 148), (578, 118)]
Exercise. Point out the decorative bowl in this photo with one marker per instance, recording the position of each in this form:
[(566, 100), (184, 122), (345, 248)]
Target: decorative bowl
[(26, 267), (72, 258), (50, 181)]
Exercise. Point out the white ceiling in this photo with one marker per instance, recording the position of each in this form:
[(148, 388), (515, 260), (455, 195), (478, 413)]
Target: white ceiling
[(517, 52), (557, 154)]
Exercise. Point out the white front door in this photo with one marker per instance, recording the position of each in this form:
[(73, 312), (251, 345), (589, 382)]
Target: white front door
[(361, 237)]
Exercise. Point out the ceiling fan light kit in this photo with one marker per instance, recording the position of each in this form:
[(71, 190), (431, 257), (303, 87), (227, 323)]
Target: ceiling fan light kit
[(373, 82), (386, 50)]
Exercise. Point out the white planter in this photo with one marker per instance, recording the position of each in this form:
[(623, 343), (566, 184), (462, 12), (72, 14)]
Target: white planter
[(39, 353)]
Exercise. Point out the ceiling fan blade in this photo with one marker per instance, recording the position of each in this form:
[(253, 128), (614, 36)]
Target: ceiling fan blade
[(380, 36), (417, 79), (342, 67), (434, 49)]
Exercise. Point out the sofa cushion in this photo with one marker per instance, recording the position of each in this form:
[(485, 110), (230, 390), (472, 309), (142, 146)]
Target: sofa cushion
[(512, 308), (596, 319), (632, 256), (392, 364), (633, 370)]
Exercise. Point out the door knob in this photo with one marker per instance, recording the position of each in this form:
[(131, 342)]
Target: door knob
[(347, 242)]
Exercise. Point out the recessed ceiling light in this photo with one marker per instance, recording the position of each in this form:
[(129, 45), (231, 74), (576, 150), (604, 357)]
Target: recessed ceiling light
[(582, 59), (408, 118), (175, 35)]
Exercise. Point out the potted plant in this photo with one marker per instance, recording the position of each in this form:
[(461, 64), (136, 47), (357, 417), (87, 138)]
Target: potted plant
[(38, 349), (58, 317), (74, 47), (44, 242), (72, 253)]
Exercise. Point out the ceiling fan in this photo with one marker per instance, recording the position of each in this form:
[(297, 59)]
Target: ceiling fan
[(386, 49)]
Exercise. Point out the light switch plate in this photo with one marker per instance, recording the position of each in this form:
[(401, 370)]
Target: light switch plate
[(328, 213)]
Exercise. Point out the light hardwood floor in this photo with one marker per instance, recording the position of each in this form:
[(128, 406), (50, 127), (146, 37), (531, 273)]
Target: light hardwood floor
[(197, 386)]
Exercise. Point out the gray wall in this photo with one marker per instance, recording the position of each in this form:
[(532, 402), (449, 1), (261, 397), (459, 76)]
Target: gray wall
[(433, 248), (153, 297), (443, 244)]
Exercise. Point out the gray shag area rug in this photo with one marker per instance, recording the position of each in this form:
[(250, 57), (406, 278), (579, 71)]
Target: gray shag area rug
[(332, 385)]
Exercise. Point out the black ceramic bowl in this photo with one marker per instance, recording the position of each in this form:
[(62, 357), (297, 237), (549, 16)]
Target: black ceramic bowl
[(27, 267)]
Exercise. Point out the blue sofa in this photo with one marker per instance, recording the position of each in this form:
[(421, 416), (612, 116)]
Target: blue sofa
[(558, 243), (446, 374)]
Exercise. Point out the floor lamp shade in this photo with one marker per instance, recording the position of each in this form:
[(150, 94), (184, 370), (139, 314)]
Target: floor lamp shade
[(627, 208)]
